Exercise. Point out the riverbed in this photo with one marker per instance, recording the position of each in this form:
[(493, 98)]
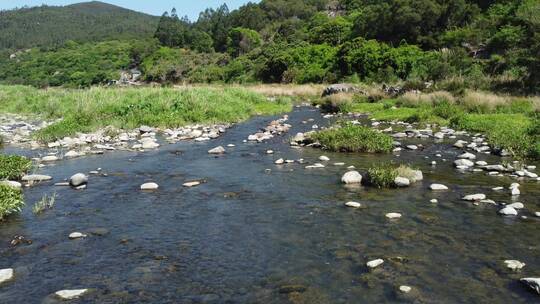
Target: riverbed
[(257, 232)]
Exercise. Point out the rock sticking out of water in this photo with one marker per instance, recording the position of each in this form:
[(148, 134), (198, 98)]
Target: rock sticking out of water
[(405, 288), (533, 283), (36, 178), (70, 294), (351, 177), (353, 204), (374, 263), (191, 184), (508, 211), (78, 179), (6, 275), (393, 215), (149, 186), (514, 264), (324, 158), (402, 181), (217, 150), (474, 197), (76, 235), (438, 187)]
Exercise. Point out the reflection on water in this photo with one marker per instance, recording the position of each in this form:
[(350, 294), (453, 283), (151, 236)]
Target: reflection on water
[(249, 236)]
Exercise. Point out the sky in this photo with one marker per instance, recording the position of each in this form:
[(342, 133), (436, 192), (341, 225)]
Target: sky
[(191, 8)]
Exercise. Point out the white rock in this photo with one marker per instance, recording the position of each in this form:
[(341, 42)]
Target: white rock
[(497, 188), (463, 163), (467, 155), (474, 197), (412, 147), (402, 181), (353, 204), (217, 150), (339, 164), (434, 201), (374, 263), (279, 161), (191, 184), (438, 187), (49, 158), (70, 294), (393, 215), (315, 166), (537, 214), (514, 264), (269, 152), (78, 180), (516, 205), (508, 211), (76, 235), (149, 144), (351, 177), (533, 283), (6, 275), (515, 191), (324, 158), (71, 154), (481, 163), (405, 288), (149, 186), (36, 178)]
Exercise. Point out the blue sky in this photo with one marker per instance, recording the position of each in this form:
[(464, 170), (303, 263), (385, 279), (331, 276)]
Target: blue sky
[(191, 8)]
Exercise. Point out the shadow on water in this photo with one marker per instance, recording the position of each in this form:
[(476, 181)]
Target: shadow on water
[(250, 236)]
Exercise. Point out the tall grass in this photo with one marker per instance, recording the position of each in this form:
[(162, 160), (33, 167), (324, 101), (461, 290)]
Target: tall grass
[(11, 201), (85, 110), (13, 167), (354, 138)]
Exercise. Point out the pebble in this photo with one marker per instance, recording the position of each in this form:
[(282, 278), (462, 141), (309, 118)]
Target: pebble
[(324, 158), (217, 150), (279, 161), (375, 263), (474, 197), (434, 201), (70, 294), (6, 275), (149, 186), (514, 264), (516, 205), (269, 152), (393, 215), (353, 204), (191, 184), (76, 235), (405, 288), (49, 158)]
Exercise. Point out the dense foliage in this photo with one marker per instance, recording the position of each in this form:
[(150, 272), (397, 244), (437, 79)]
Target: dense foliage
[(11, 201), (13, 167), (465, 43)]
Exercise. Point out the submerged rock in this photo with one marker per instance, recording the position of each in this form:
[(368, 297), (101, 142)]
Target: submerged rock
[(70, 294), (352, 177), (217, 150), (514, 264), (324, 158), (149, 186)]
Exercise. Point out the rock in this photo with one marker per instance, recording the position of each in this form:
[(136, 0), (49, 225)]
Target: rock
[(145, 129), (339, 88), (269, 152), (217, 150), (438, 187), (516, 205), (393, 215), (6, 275), (353, 204), (324, 158), (375, 263), (508, 211), (149, 186), (149, 144), (497, 188), (49, 158), (76, 235), (191, 184), (402, 181), (438, 135), (481, 163), (315, 166), (533, 283), (498, 168), (339, 164), (412, 147), (514, 264), (434, 201), (537, 214), (12, 184), (78, 180), (351, 177), (70, 294), (474, 197), (71, 154), (280, 161), (417, 176), (36, 178), (405, 288), (467, 155), (463, 163)]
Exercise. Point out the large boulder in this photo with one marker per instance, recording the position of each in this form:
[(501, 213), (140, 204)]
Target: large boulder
[(78, 179), (352, 177)]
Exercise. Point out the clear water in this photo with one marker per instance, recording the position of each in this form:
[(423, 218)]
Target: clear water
[(246, 233)]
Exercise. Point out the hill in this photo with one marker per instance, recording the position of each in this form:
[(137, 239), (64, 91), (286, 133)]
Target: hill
[(51, 26)]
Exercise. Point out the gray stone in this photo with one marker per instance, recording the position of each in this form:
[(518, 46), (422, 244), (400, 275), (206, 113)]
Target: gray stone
[(474, 197), (217, 150), (78, 180), (149, 186), (6, 275), (351, 177), (438, 187), (70, 294), (402, 181), (508, 211)]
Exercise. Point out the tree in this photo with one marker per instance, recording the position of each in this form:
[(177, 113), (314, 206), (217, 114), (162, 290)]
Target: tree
[(242, 41)]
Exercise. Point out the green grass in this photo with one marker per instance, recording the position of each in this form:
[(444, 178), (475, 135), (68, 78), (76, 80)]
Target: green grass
[(11, 201), (13, 167), (94, 108), (354, 138), (46, 202), (382, 175)]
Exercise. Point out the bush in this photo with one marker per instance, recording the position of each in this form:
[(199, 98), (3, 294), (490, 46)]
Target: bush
[(11, 201), (13, 167), (382, 175), (354, 138)]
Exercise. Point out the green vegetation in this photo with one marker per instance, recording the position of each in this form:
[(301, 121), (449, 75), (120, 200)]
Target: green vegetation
[(354, 138), (86, 110), (46, 202), (13, 167), (382, 175), (51, 26), (458, 45), (11, 201)]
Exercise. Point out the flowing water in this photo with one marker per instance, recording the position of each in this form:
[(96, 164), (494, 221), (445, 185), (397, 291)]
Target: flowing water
[(252, 236)]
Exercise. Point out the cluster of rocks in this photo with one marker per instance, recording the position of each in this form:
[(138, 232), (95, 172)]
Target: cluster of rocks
[(17, 130), (276, 127), (467, 161)]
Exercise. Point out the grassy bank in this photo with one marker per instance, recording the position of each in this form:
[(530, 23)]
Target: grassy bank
[(353, 138), (509, 122), (90, 109)]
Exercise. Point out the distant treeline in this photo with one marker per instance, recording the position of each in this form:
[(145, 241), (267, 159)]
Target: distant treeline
[(479, 44)]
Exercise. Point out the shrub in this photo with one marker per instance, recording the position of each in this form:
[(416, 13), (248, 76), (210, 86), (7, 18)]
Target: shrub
[(11, 201), (13, 167), (382, 175), (354, 138), (482, 102)]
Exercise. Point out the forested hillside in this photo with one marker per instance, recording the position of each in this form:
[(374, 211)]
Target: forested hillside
[(480, 44), (50, 26)]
